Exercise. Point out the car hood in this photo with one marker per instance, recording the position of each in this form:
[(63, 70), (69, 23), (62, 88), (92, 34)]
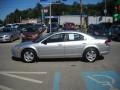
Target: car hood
[(4, 33), (25, 43), (29, 33)]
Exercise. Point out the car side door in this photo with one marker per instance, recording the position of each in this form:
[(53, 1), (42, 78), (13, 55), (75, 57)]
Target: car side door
[(74, 45), (52, 47)]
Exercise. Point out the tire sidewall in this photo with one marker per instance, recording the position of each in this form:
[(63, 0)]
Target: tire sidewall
[(86, 51), (29, 50)]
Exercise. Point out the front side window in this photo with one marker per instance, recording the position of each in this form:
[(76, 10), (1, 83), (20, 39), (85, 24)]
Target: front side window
[(55, 38), (73, 37)]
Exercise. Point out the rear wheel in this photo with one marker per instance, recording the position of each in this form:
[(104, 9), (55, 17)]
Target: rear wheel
[(29, 55), (90, 55)]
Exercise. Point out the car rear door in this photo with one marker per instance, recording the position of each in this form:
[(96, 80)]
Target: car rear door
[(74, 45)]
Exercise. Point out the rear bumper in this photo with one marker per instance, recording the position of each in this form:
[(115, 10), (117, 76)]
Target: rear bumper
[(106, 51)]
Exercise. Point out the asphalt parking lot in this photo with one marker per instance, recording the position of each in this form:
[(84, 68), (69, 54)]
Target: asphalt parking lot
[(60, 74)]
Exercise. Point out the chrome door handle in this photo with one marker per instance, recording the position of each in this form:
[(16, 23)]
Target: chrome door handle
[(84, 43), (59, 44)]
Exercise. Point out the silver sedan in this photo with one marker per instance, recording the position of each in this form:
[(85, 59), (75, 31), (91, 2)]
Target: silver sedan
[(9, 34), (65, 44)]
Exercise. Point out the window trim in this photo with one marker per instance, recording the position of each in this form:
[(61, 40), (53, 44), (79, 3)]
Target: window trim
[(53, 35), (65, 39)]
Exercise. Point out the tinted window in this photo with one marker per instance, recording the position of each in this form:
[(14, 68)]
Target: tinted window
[(56, 38), (6, 30), (31, 29), (42, 37)]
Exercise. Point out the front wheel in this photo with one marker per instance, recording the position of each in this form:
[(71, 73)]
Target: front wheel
[(11, 39), (29, 55), (90, 54)]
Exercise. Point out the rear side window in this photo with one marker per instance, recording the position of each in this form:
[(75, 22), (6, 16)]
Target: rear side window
[(73, 37)]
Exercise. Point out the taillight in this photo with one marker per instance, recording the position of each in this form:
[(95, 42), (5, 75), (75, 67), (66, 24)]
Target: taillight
[(107, 41)]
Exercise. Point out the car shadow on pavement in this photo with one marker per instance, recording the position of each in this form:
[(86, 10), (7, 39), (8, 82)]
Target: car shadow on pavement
[(58, 59), (16, 59)]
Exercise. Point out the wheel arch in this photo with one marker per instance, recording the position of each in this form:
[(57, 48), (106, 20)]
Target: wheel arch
[(27, 49), (88, 47)]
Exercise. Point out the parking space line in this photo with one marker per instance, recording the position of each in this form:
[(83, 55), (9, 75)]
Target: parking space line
[(11, 74), (23, 72), (4, 88), (56, 81), (23, 78)]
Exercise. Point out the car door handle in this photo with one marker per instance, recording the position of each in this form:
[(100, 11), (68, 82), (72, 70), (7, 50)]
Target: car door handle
[(84, 43), (59, 44)]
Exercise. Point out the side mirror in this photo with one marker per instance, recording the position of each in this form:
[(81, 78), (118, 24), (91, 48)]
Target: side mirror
[(44, 42)]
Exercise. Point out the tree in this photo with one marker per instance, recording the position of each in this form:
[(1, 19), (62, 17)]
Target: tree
[(58, 9), (37, 10), (62, 9), (1, 22)]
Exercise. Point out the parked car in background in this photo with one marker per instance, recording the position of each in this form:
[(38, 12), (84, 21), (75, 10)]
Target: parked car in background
[(32, 32), (98, 30), (22, 27), (106, 25), (54, 27), (115, 32), (11, 26), (1, 27), (9, 34), (69, 26), (65, 44)]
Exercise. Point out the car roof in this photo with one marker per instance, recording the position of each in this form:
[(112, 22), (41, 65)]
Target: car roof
[(69, 31)]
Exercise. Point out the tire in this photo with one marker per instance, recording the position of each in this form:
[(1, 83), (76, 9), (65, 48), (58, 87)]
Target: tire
[(90, 55), (29, 56), (11, 39)]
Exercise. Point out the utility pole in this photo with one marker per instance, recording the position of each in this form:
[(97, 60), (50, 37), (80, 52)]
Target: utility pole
[(50, 15), (81, 14), (20, 19), (50, 11), (105, 10)]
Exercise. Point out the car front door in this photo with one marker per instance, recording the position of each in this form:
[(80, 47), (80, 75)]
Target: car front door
[(74, 44), (52, 47)]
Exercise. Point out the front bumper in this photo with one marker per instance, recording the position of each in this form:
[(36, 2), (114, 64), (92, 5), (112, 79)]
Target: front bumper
[(4, 39), (16, 52)]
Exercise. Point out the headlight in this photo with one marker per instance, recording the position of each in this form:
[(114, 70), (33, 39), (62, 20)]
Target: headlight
[(6, 36)]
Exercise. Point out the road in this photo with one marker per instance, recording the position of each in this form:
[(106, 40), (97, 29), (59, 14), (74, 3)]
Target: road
[(60, 74)]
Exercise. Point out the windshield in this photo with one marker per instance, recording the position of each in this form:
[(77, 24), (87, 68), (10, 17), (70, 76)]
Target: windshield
[(32, 29)]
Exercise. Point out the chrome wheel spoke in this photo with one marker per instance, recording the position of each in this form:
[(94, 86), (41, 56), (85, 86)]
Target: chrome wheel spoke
[(28, 56), (91, 55)]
